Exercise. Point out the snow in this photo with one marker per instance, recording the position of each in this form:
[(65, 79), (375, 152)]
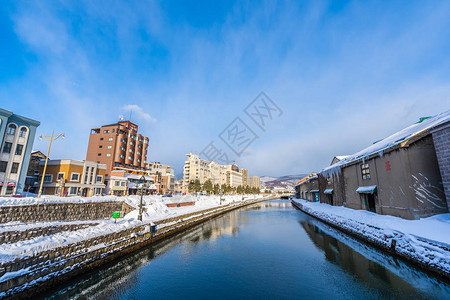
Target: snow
[(155, 210), (50, 199), (370, 189), (426, 240), (395, 139)]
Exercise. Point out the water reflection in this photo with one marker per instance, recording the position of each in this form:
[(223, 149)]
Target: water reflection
[(374, 268), (261, 252)]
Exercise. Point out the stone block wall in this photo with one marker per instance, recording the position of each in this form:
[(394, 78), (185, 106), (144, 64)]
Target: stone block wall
[(441, 139), (61, 211)]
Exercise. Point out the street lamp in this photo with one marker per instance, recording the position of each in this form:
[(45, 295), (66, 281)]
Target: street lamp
[(51, 139), (142, 194)]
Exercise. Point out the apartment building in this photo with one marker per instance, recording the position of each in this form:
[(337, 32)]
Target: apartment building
[(67, 177), (164, 176), (233, 176), (196, 168), (16, 140), (118, 145), (254, 181), (244, 173)]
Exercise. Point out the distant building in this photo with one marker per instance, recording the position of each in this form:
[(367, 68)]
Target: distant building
[(254, 182), (401, 175), (308, 188), (118, 145), (67, 177), (33, 171), (16, 140), (233, 176), (122, 183), (244, 173), (164, 176)]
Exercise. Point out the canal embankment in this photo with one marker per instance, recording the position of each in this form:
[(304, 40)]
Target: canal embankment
[(27, 275), (423, 243)]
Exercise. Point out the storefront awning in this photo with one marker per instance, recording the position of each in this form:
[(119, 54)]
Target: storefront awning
[(314, 191), (367, 189), (328, 191), (11, 184)]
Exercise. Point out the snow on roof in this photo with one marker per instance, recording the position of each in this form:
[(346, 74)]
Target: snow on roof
[(370, 189), (397, 138)]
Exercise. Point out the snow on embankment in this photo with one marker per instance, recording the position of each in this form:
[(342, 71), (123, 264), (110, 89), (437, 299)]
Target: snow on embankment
[(426, 241)]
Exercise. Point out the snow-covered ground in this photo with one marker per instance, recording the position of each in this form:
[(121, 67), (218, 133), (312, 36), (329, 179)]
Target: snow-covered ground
[(156, 210), (426, 240)]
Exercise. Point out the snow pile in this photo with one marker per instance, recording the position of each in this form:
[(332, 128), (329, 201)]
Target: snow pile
[(155, 209), (426, 240), (50, 199)]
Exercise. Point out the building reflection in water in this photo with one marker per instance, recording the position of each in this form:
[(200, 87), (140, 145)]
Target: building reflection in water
[(375, 268)]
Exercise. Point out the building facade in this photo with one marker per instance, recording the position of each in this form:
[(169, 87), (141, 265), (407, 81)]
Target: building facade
[(118, 145), (33, 171), (17, 135), (233, 176), (244, 173), (67, 177), (254, 182), (164, 177), (400, 175), (308, 188)]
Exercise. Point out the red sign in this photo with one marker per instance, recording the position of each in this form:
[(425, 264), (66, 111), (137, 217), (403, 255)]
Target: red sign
[(387, 165)]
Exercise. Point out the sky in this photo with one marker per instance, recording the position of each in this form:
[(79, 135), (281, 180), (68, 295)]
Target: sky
[(342, 73)]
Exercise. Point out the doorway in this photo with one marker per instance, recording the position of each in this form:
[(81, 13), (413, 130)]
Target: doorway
[(370, 202)]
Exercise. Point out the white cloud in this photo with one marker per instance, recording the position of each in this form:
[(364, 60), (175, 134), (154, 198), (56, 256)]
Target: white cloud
[(136, 109)]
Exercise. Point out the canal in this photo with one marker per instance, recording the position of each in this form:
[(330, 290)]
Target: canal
[(269, 250)]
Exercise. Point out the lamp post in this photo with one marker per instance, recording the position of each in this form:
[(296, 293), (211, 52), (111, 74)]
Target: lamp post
[(51, 139), (142, 194)]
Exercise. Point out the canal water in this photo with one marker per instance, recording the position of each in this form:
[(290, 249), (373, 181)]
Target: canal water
[(266, 251)]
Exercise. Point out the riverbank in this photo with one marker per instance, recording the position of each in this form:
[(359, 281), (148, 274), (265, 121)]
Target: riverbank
[(425, 242), (43, 268)]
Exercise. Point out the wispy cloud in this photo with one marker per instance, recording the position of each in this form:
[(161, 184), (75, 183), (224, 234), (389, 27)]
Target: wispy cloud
[(137, 110)]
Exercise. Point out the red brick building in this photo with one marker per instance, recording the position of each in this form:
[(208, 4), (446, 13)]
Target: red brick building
[(118, 145)]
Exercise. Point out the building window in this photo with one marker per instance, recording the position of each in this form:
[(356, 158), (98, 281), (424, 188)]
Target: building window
[(75, 177), (110, 139), (129, 157), (98, 191), (99, 178), (113, 130), (109, 147), (48, 178), (23, 132), (101, 139), (108, 154), (11, 129), (123, 183), (14, 168), (60, 176), (73, 191), (7, 147), (105, 131), (365, 172), (116, 183), (3, 165), (19, 149), (99, 154), (101, 146)]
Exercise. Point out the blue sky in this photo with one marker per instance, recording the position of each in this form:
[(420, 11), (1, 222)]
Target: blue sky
[(344, 73)]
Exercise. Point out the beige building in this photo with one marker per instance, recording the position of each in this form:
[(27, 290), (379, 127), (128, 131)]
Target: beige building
[(67, 177), (196, 168), (254, 181), (233, 176), (244, 173), (164, 176)]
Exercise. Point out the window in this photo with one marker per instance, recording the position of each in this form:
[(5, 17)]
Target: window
[(11, 129), (23, 132), (98, 191), (7, 147), (60, 176), (75, 177), (14, 168), (108, 154), (101, 146), (101, 139), (109, 147), (123, 183), (116, 183), (19, 149), (48, 178), (99, 178), (73, 191), (129, 157), (113, 130), (105, 131), (110, 139), (130, 150), (365, 172)]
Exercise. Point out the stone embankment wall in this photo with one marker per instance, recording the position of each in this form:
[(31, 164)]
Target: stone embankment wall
[(61, 211), (51, 267)]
